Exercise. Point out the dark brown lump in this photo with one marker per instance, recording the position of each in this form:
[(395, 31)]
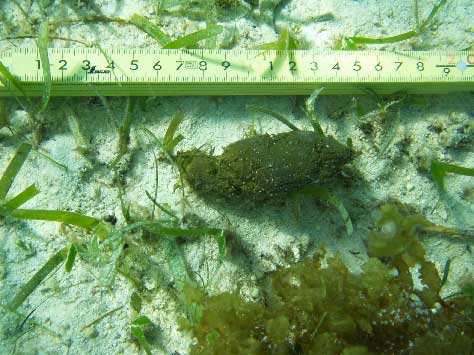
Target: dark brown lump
[(265, 167)]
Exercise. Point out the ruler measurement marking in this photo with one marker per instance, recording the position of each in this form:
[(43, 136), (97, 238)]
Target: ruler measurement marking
[(436, 70)]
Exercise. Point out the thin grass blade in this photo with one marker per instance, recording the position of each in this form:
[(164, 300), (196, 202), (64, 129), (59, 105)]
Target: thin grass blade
[(23, 197), (312, 114), (160, 145), (221, 245), (439, 170), (149, 28), (432, 14), (51, 160), (8, 79), (71, 257), (124, 130), (192, 39), (72, 218), (161, 207), (180, 232), (274, 114), (37, 278), (383, 40), (324, 194), (178, 117), (438, 173), (102, 316), (13, 168), (176, 140), (42, 44)]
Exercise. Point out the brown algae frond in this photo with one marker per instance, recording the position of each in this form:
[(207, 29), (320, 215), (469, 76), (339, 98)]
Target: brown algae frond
[(265, 167)]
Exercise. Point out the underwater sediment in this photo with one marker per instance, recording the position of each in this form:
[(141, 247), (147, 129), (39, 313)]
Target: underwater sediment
[(132, 266)]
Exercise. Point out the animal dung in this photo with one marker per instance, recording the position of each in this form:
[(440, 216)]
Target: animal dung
[(265, 167)]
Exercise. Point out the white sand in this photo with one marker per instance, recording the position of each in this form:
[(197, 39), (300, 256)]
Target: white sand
[(273, 237)]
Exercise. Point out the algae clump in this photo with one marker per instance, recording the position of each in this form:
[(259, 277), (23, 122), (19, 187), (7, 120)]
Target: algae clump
[(265, 167), (314, 309)]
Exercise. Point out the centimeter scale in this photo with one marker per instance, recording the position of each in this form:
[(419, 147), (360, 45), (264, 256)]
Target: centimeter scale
[(171, 72)]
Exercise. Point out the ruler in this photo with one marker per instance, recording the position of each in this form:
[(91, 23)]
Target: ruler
[(172, 72)]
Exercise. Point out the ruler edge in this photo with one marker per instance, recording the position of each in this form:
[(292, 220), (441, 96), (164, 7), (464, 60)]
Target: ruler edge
[(154, 88)]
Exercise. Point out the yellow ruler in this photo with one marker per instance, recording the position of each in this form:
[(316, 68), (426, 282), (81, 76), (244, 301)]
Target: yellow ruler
[(171, 72)]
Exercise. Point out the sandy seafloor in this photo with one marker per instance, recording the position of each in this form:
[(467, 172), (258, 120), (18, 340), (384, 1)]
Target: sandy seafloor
[(392, 164)]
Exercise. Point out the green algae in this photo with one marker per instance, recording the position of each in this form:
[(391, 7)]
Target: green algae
[(138, 330), (265, 167), (319, 307), (398, 244)]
